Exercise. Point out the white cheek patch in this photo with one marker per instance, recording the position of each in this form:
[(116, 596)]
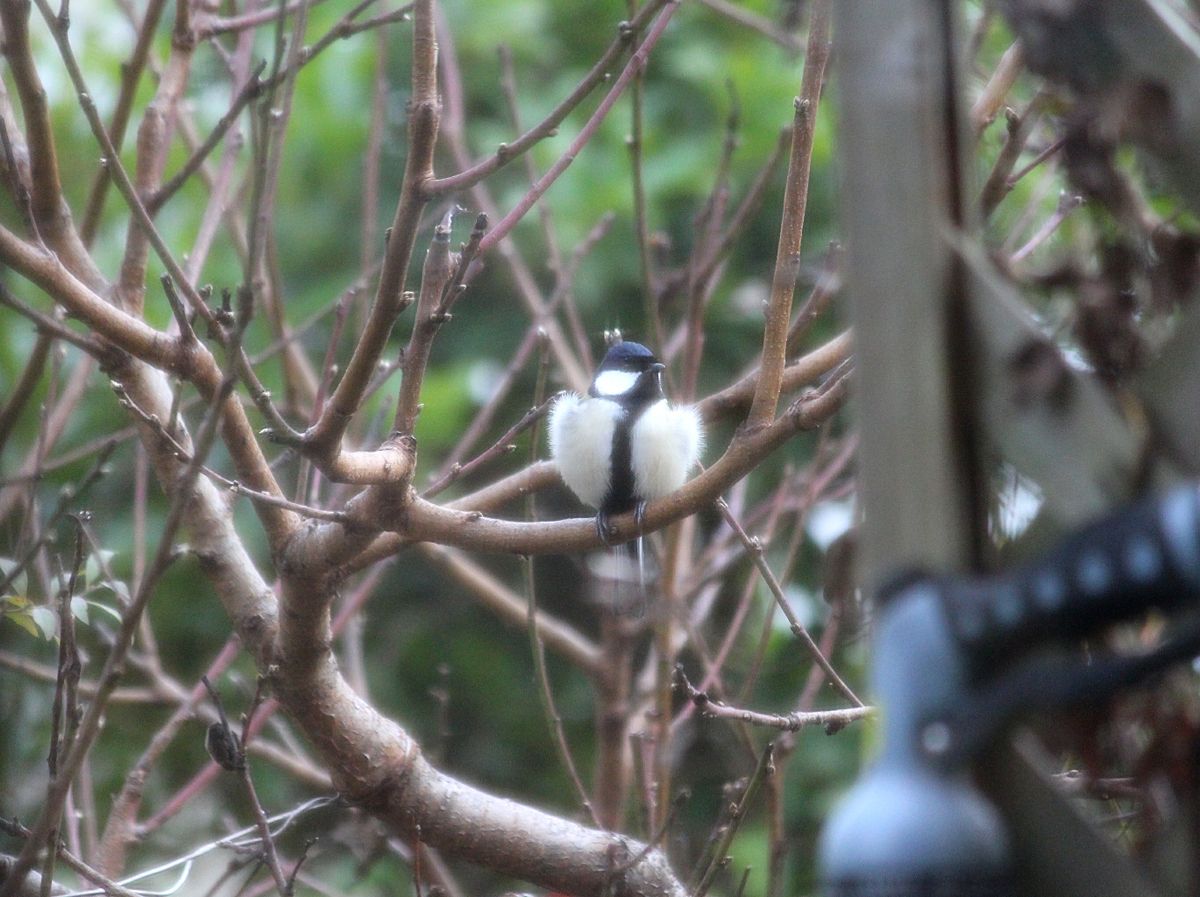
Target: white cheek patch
[(615, 383)]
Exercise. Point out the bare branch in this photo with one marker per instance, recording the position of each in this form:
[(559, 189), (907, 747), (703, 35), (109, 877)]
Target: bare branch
[(429, 317), (755, 22), (755, 550), (131, 73), (323, 437), (470, 529), (636, 63), (829, 720), (30, 375), (511, 608), (49, 208), (547, 126), (791, 229)]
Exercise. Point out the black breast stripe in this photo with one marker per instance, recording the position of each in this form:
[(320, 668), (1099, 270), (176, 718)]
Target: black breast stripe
[(620, 496)]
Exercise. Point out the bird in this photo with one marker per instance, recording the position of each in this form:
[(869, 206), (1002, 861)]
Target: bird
[(623, 444)]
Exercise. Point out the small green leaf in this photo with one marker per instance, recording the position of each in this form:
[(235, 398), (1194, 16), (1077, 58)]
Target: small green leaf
[(58, 583), (15, 603), (47, 622), (94, 568), (117, 587), (25, 621), (115, 614), (18, 585), (79, 609)]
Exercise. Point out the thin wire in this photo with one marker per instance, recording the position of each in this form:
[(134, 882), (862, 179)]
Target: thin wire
[(287, 818)]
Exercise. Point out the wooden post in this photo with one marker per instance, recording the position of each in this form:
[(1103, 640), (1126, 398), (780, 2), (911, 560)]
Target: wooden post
[(902, 144), (901, 194)]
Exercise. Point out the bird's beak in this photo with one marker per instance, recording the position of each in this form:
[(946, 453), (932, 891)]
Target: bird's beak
[(655, 372)]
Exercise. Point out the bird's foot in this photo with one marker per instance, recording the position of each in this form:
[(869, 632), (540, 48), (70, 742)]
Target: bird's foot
[(604, 528), (639, 516)]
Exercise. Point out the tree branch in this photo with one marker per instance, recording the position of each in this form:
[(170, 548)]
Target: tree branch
[(322, 440), (791, 229), (52, 217), (470, 529), (507, 152), (635, 64)]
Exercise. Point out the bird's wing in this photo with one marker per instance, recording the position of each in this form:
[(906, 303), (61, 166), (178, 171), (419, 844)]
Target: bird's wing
[(581, 440), (665, 444)]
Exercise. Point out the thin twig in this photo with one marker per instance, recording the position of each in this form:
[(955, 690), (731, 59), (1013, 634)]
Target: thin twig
[(718, 860), (324, 436), (68, 498), (64, 713), (248, 92), (830, 720), (26, 383), (1067, 203), (502, 446), (1051, 148), (235, 486), (652, 317), (829, 283), (636, 62), (441, 286), (1019, 127), (131, 74), (545, 692), (757, 555), (51, 327), (754, 22), (791, 228), (506, 152)]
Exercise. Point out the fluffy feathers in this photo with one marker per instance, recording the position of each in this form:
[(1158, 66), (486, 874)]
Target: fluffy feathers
[(581, 437), (665, 444)]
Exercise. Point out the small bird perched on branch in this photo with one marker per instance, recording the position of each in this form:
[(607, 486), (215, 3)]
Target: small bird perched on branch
[(623, 444)]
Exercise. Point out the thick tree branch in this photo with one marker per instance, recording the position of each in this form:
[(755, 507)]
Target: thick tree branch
[(192, 361), (378, 765), (46, 189), (52, 217)]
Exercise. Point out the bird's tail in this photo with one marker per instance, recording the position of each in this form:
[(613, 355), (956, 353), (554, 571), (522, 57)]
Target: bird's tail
[(631, 596)]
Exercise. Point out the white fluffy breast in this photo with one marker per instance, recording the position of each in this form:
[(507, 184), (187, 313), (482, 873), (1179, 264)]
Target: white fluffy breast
[(665, 444), (581, 438)]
